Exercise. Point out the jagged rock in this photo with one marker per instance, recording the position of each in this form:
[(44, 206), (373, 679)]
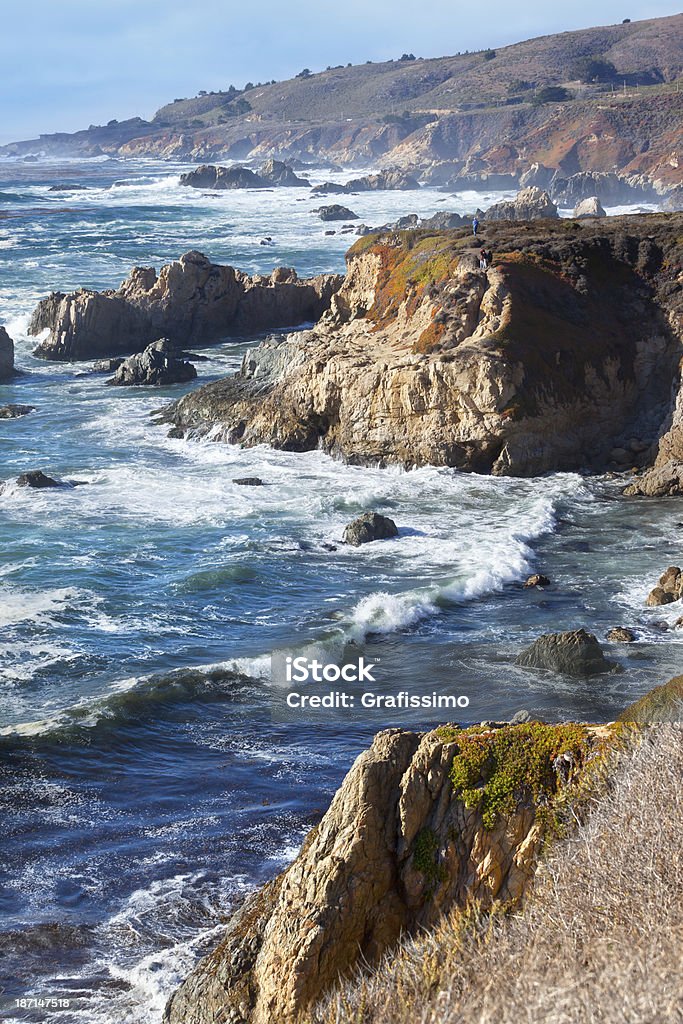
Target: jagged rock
[(590, 207), (537, 580), (396, 849), (275, 172), (6, 355), (248, 481), (192, 300), (545, 363), (529, 204), (576, 653), (36, 478), (368, 527), (332, 188), (389, 180), (159, 365), (669, 589), (443, 221), (621, 635), (335, 212), (211, 176), (538, 175), (13, 412), (662, 481), (108, 365)]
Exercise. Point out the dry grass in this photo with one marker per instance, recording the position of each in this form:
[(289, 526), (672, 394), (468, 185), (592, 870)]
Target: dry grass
[(600, 941)]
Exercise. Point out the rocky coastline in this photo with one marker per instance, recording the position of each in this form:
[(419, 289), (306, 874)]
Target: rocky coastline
[(565, 354)]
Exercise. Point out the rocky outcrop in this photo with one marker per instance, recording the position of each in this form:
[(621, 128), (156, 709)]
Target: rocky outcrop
[(621, 635), (275, 172), (668, 590), (421, 823), (220, 178), (368, 527), (335, 212), (13, 412), (612, 188), (160, 364), (550, 360), (6, 355), (190, 301), (589, 208), (530, 203), (384, 181), (576, 653)]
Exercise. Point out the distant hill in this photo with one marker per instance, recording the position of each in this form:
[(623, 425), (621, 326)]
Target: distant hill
[(467, 107)]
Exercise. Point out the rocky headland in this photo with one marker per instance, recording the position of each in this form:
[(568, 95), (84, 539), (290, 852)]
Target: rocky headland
[(191, 300), (6, 355), (564, 355)]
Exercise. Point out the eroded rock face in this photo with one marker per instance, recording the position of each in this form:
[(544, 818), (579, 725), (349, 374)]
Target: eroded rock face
[(669, 588), (665, 478), (530, 203), (192, 300), (389, 180), (396, 849), (160, 364), (612, 188), (576, 653), (6, 355), (568, 345)]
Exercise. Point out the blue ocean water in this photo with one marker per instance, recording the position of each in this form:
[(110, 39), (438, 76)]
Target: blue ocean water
[(146, 785)]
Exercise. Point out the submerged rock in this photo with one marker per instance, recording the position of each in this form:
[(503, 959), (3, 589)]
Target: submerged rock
[(6, 355), (621, 635), (248, 481), (576, 653), (13, 412), (192, 300), (368, 527), (160, 364), (35, 478), (335, 212), (537, 580)]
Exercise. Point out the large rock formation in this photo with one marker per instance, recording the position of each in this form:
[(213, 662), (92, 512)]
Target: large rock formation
[(6, 355), (420, 823), (530, 203), (552, 359), (221, 178), (160, 364), (576, 653), (665, 478), (275, 172), (191, 301)]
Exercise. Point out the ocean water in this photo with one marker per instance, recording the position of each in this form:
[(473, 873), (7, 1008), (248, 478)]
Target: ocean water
[(147, 784)]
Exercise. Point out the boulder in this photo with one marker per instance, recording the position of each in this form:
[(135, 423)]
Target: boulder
[(6, 355), (620, 635), (537, 580), (576, 653), (37, 479), (220, 178), (397, 848), (160, 364), (590, 207), (529, 204), (669, 588), (13, 412), (108, 365), (368, 527), (335, 212), (192, 300), (332, 188), (275, 172)]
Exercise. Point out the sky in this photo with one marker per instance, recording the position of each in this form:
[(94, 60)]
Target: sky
[(65, 64)]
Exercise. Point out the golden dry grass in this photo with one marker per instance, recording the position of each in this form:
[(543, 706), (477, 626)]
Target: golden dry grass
[(600, 941)]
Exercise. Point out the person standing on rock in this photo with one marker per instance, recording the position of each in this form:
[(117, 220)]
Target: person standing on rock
[(475, 226), (483, 264), (489, 258)]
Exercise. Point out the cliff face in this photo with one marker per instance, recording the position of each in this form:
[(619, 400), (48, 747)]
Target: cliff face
[(561, 356), (419, 824), (6, 355), (191, 300)]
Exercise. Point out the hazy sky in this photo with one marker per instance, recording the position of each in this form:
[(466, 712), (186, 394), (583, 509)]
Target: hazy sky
[(67, 63)]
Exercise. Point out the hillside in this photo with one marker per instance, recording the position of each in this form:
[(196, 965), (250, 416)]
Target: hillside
[(482, 105)]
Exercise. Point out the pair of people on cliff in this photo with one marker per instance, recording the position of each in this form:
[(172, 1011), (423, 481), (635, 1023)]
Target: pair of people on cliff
[(485, 259)]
